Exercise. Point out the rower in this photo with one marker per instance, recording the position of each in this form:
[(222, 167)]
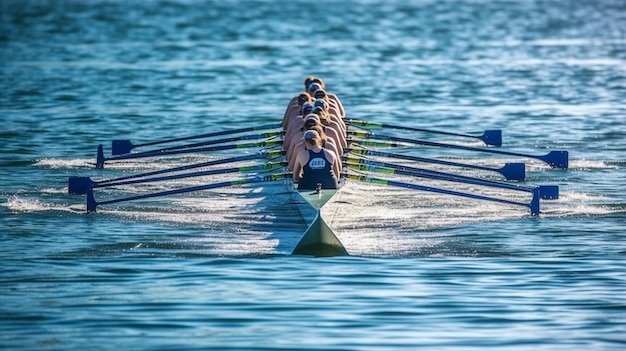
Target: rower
[(294, 109), (338, 122), (295, 127), (327, 143), (295, 101), (316, 165), (331, 127), (320, 85)]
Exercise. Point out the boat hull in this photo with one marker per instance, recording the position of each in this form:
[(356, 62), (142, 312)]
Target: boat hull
[(319, 239)]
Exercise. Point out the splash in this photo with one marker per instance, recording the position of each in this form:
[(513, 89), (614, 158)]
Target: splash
[(18, 204), (55, 163)]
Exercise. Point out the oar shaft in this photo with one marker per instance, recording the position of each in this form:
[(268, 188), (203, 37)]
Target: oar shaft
[(420, 159), (92, 203), (266, 166), (214, 134), (180, 168), (219, 141), (558, 159), (533, 205), (192, 150), (367, 165), (489, 137)]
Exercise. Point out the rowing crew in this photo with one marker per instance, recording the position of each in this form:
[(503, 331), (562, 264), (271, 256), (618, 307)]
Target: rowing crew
[(315, 136)]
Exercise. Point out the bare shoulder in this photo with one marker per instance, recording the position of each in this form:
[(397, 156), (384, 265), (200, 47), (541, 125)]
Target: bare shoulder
[(302, 154), (330, 155)]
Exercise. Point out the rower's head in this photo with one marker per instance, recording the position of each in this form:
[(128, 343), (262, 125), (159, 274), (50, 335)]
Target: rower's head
[(318, 110), (313, 79), (321, 103), (323, 115), (311, 119), (306, 108), (320, 93), (320, 130), (304, 98), (311, 137), (312, 88)]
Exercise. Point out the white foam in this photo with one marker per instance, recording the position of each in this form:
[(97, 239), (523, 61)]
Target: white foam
[(55, 163), (590, 164), (19, 204)]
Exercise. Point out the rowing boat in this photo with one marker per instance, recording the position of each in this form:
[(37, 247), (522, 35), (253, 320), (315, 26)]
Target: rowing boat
[(319, 239)]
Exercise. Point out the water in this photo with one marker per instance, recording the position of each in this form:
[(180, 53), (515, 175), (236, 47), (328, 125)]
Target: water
[(212, 270)]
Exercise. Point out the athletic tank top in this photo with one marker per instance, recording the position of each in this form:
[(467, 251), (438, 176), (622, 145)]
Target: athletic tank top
[(318, 170)]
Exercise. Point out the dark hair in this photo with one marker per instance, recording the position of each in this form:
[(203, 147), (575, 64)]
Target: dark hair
[(313, 79), (320, 93), (304, 97), (308, 80)]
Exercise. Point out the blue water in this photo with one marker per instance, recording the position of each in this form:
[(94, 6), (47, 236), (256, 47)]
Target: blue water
[(212, 270)]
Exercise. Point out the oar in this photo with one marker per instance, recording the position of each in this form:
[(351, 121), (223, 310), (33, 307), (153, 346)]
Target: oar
[(489, 137), (533, 205), (220, 141), (101, 159), (547, 192), (510, 171), (79, 185), (92, 203), (261, 167), (120, 147), (556, 159)]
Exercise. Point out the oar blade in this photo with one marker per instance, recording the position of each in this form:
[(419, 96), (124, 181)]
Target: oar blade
[(91, 201), (549, 192), (534, 203), (79, 185), (556, 159), (513, 171), (120, 147), (100, 157), (492, 137)]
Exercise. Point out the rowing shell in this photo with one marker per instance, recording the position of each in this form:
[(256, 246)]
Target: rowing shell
[(319, 238)]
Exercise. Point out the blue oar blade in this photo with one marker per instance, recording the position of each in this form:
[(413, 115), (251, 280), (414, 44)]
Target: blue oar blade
[(91, 201), (534, 203), (492, 137), (79, 185), (100, 157), (556, 159), (120, 147), (513, 171), (549, 192)]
